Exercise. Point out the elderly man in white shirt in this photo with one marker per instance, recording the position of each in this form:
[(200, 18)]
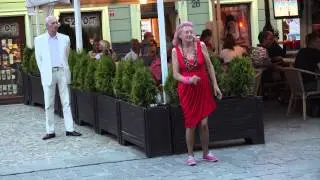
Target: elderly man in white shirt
[(52, 52), (134, 53)]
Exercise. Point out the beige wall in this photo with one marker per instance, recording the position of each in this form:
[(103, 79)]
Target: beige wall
[(17, 8)]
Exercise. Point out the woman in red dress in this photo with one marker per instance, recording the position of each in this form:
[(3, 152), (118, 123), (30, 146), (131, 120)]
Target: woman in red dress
[(190, 59)]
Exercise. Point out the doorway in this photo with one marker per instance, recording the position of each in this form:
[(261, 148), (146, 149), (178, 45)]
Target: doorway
[(149, 19)]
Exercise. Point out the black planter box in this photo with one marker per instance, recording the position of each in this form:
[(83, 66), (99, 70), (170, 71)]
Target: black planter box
[(86, 108), (25, 88), (147, 128), (73, 104), (36, 90), (234, 118), (177, 129), (108, 116)]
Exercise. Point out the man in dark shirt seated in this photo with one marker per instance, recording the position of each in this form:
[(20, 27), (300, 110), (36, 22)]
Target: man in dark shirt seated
[(275, 50), (308, 59)]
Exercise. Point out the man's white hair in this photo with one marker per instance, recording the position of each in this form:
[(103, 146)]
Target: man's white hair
[(48, 18)]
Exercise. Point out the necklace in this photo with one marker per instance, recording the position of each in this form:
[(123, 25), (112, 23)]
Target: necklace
[(191, 66)]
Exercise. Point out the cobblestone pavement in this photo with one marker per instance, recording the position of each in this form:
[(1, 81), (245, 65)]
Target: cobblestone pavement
[(292, 151)]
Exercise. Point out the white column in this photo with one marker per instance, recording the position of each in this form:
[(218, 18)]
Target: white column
[(219, 22), (135, 15), (37, 21), (305, 22), (215, 36), (163, 45), (78, 25), (29, 31)]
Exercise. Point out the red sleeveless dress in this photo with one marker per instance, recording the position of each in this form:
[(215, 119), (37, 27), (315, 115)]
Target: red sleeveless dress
[(196, 101)]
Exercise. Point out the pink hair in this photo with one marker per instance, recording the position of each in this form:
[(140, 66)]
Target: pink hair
[(176, 39)]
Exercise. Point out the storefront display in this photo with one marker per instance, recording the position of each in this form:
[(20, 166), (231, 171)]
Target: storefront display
[(236, 21), (12, 39)]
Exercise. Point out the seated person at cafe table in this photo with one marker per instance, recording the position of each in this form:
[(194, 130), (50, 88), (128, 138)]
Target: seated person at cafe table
[(263, 62), (275, 51), (259, 55), (135, 52), (308, 59)]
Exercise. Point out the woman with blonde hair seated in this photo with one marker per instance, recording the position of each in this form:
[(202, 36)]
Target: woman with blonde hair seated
[(230, 49), (104, 47)]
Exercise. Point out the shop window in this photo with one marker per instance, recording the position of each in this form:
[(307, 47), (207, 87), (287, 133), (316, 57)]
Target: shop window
[(12, 39), (239, 14)]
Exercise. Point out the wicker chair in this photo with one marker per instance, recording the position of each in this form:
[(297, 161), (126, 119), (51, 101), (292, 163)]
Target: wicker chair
[(294, 79)]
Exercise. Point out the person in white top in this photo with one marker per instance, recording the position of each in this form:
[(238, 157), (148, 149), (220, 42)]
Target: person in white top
[(52, 52), (134, 53), (230, 49)]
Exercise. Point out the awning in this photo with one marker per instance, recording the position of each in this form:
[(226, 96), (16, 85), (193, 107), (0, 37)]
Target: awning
[(46, 5), (34, 3), (95, 3)]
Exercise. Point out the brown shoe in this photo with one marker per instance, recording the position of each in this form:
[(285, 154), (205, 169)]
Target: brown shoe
[(49, 136), (74, 133)]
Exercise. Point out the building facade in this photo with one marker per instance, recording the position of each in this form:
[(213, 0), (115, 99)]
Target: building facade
[(120, 23)]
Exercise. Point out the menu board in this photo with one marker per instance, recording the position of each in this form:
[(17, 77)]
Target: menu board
[(285, 8)]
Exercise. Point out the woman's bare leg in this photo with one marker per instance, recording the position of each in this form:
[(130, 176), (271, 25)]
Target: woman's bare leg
[(190, 140), (204, 135)]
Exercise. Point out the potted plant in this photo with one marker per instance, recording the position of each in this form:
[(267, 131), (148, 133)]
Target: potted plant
[(75, 60), (239, 115), (36, 90), (27, 53), (85, 95), (107, 105), (144, 123)]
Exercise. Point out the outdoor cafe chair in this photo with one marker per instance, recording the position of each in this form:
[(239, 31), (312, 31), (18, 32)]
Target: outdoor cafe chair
[(295, 82)]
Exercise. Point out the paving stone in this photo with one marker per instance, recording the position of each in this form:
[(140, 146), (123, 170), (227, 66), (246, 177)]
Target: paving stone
[(291, 152)]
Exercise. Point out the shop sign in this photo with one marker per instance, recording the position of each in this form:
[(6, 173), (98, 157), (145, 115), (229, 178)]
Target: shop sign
[(9, 29), (112, 12), (87, 20), (195, 3)]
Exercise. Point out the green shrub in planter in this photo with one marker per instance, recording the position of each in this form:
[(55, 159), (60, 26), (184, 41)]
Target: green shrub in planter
[(123, 78), (241, 74), (117, 81), (144, 88), (72, 60), (104, 75), (127, 75), (221, 76), (80, 71), (89, 80), (170, 87), (27, 53), (33, 67), (217, 67)]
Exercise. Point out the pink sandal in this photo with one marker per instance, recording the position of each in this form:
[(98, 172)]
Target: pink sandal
[(191, 161), (209, 157)]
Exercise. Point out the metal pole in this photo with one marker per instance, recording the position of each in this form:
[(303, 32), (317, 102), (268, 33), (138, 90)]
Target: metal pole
[(218, 25), (214, 27), (163, 45), (78, 25), (37, 21)]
